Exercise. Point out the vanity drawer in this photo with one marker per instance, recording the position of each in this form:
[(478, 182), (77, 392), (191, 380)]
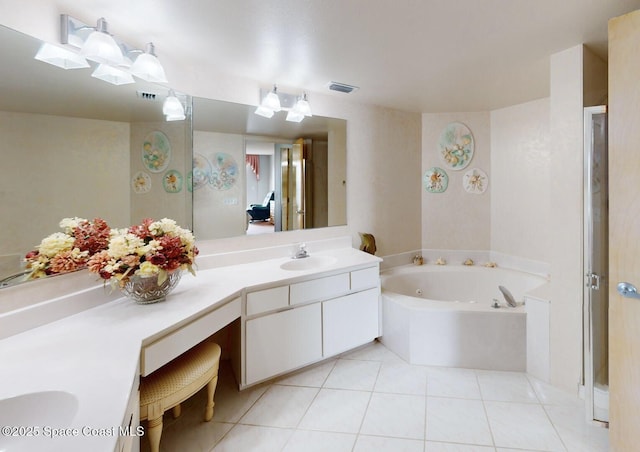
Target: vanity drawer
[(319, 289), (365, 278), (267, 300), (160, 352)]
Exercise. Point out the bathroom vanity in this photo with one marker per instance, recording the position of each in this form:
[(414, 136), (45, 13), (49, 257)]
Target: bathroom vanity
[(284, 316)]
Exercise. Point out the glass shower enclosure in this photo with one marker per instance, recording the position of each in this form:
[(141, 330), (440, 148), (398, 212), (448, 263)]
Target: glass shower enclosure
[(596, 263)]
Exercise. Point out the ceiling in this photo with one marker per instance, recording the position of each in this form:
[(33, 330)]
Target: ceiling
[(412, 55)]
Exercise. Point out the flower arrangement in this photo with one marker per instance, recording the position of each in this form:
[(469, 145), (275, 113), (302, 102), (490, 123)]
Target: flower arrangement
[(67, 251), (152, 248)]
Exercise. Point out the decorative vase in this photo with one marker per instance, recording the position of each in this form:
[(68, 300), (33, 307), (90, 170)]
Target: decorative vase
[(146, 290)]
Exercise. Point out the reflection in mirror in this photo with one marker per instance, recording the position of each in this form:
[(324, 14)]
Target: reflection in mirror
[(254, 175), (75, 146)]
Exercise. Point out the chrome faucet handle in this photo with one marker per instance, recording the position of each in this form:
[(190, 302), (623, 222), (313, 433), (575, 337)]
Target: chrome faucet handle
[(301, 252)]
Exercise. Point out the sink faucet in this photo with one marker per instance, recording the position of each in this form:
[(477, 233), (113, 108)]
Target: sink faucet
[(301, 252)]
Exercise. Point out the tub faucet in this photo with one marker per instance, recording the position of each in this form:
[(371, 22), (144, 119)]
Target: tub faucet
[(508, 297), (301, 252)]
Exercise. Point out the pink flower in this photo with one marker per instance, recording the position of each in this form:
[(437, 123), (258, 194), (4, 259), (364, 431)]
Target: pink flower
[(66, 261)]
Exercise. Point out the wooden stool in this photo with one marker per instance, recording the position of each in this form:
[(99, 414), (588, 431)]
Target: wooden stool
[(174, 383)]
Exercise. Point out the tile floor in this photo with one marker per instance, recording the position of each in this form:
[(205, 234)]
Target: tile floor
[(371, 400)]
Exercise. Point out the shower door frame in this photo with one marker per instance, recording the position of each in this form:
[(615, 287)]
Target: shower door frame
[(592, 280)]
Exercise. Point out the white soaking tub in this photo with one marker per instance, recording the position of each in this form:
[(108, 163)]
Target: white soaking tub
[(444, 316)]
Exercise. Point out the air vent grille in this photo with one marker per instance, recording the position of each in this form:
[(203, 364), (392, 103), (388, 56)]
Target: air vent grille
[(342, 87), (147, 95)]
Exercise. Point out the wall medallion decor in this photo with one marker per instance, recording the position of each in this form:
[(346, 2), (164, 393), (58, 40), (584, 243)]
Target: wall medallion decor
[(224, 173), (456, 146), (435, 180), (201, 171), (475, 181), (172, 181), (156, 152), (141, 182)]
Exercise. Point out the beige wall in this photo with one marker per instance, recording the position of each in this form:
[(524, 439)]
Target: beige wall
[(455, 219), (60, 167), (520, 169)]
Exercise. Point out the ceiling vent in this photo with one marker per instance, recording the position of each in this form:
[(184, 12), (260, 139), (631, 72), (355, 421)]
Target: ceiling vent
[(147, 95), (342, 87)]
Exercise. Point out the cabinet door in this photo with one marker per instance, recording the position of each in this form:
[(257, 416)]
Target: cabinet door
[(284, 341), (349, 321)]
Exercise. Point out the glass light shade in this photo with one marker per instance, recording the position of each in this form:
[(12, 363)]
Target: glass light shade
[(101, 47), (294, 116), (264, 111), (112, 75), (303, 107), (60, 57), (147, 67), (172, 106), (271, 101), (176, 117)]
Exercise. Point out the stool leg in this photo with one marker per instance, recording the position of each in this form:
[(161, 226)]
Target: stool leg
[(211, 389), (154, 430), (177, 411)]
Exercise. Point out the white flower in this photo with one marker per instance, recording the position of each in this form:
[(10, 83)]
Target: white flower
[(125, 244), (164, 226), (69, 224), (147, 269), (55, 243)]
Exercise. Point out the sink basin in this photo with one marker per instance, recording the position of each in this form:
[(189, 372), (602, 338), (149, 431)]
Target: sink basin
[(35, 410), (308, 263)]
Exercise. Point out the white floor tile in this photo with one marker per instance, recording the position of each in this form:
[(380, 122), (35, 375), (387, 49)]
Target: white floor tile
[(380, 444), (449, 447), (336, 410), (401, 378), (522, 425), (249, 438), (353, 374), (396, 415), (577, 435), (383, 411), (457, 421), (310, 441), (230, 403), (280, 406), (314, 377), (448, 382), (506, 387), (375, 351)]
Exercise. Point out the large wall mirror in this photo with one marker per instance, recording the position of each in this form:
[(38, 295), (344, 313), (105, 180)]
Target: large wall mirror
[(73, 146)]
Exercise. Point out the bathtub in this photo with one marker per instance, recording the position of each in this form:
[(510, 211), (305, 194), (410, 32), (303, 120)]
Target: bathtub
[(443, 316)]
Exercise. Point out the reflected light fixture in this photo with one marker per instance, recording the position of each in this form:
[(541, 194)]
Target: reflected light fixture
[(172, 108), (112, 75), (270, 104), (101, 47), (147, 67), (62, 58), (302, 106)]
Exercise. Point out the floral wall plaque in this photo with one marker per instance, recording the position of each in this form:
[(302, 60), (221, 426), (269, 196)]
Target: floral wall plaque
[(435, 180), (475, 181), (156, 152), (456, 146)]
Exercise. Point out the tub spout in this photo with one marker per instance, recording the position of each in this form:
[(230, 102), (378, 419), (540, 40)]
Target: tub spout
[(508, 297)]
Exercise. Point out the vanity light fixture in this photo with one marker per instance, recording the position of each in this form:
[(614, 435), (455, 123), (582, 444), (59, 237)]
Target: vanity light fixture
[(62, 58), (147, 67), (101, 47), (172, 108), (297, 107), (299, 110), (270, 104)]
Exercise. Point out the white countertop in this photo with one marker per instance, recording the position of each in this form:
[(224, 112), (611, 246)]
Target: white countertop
[(94, 354)]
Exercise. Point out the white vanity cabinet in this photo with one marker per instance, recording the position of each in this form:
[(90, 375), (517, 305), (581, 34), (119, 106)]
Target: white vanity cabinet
[(289, 326)]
